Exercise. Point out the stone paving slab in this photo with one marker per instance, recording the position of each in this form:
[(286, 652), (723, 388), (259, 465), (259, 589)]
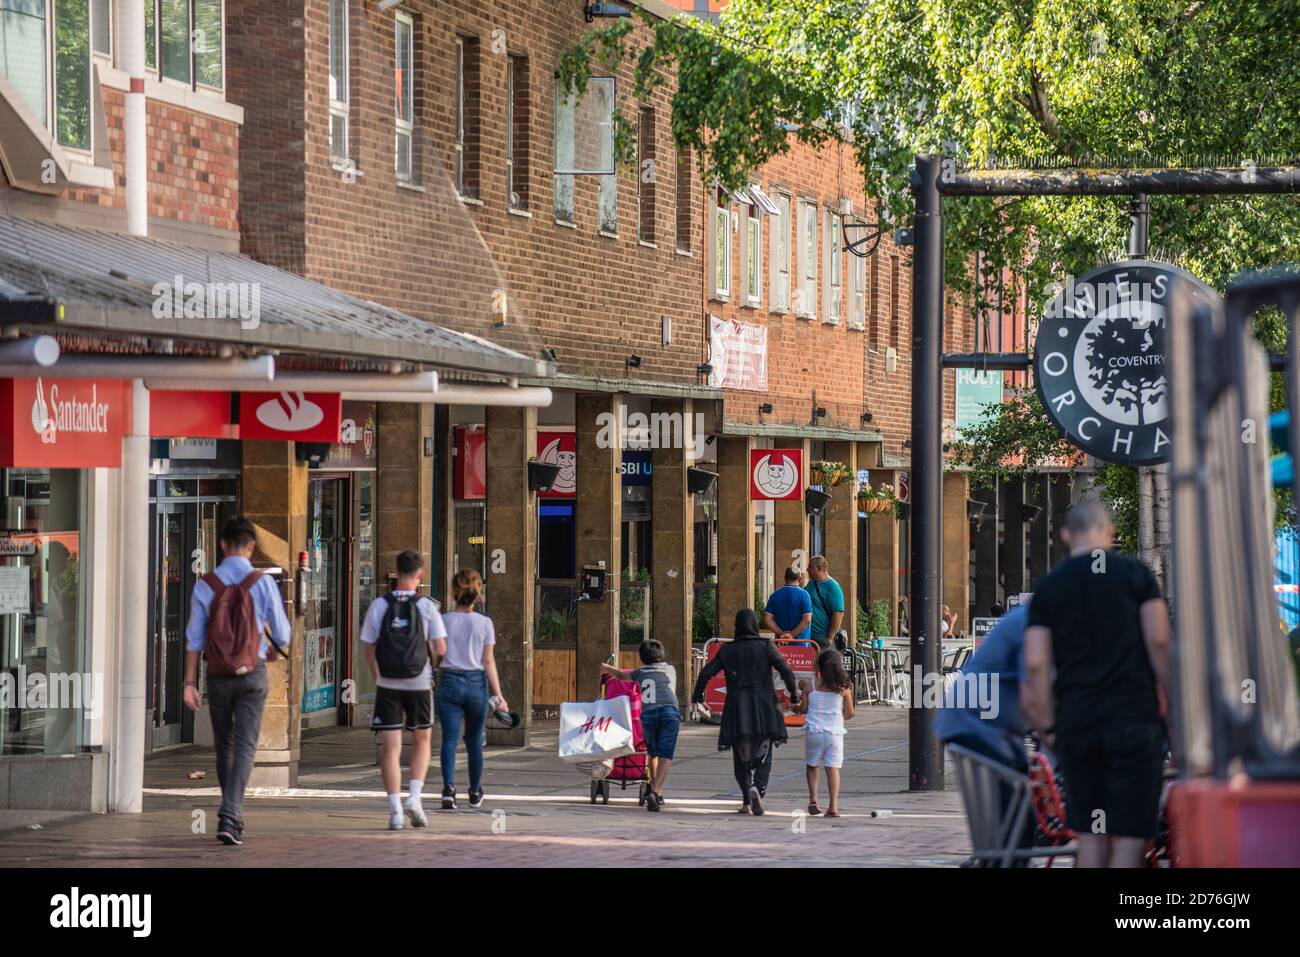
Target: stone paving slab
[(538, 813)]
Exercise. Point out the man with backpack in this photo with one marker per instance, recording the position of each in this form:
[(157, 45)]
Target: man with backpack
[(402, 634), (230, 611)]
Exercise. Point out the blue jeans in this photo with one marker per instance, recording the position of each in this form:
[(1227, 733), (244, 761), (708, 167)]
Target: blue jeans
[(462, 696)]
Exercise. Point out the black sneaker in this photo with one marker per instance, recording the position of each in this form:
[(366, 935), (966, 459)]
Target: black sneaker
[(755, 802), (653, 802), (228, 836), (449, 799), (476, 798)]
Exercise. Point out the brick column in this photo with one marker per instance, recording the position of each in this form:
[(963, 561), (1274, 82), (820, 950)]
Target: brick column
[(510, 556), (986, 551), (404, 487), (274, 490), (1040, 529), (599, 508), (956, 548), (790, 539), (882, 550), (672, 565), (1013, 536), (735, 531), (841, 520)]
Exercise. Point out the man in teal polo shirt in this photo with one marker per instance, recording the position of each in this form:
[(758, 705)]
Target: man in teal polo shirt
[(827, 601)]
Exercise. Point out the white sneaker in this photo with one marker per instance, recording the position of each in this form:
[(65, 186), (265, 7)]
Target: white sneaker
[(396, 820), (416, 811)]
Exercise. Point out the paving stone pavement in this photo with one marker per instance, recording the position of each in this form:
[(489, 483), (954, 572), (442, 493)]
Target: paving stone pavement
[(537, 813)]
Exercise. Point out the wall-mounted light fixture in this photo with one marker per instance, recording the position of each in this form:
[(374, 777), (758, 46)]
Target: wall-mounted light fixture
[(815, 502), (593, 10), (699, 481), (1029, 512), (907, 443), (765, 408), (866, 417), (704, 369), (819, 412), (541, 475), (633, 361)]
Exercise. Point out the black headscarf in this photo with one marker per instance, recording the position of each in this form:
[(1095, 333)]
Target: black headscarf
[(746, 624)]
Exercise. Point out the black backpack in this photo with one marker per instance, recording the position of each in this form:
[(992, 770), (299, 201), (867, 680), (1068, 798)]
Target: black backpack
[(402, 650)]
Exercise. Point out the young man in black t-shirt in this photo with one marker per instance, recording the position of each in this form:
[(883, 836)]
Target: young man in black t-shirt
[(1099, 621)]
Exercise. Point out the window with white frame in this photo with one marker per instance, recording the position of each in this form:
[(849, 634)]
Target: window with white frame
[(779, 293), (101, 20), (857, 291), (184, 40), (805, 294), (833, 295), (720, 245), (404, 68), (338, 66), (753, 254), (45, 54), (565, 152)]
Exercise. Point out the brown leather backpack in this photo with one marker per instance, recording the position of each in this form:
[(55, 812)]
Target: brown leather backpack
[(234, 641)]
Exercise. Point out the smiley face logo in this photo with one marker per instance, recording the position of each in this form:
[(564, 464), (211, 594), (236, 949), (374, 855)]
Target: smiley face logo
[(776, 478)]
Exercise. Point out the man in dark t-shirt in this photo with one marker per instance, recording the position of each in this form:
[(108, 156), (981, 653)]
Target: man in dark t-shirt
[(1099, 621)]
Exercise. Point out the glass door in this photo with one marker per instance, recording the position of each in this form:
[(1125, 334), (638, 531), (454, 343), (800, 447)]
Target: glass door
[(325, 613)]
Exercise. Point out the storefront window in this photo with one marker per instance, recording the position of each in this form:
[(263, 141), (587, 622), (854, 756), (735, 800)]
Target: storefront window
[(42, 626)]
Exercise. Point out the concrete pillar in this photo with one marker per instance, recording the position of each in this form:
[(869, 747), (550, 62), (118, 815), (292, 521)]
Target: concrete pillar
[(956, 548), (986, 552), (599, 513), (882, 551), (672, 566), (510, 556), (790, 521), (1060, 493), (404, 486), (130, 713), (735, 531), (1013, 536), (841, 522), (1040, 529), (274, 490)]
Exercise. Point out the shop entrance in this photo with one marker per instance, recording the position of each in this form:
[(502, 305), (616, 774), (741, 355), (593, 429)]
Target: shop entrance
[(186, 515), (326, 612)]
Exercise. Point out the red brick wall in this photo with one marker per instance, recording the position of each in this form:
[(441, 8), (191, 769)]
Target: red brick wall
[(193, 165), (591, 298), (845, 366)]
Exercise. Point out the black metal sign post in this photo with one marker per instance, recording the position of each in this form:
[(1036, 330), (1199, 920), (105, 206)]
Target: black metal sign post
[(933, 178)]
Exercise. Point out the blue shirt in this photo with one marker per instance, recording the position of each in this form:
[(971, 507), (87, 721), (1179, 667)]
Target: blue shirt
[(787, 606), (827, 598), (266, 603), (994, 724)]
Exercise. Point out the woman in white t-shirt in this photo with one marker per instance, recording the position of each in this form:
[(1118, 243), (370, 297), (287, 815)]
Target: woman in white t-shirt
[(465, 674)]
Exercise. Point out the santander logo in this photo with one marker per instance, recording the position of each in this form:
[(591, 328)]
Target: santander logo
[(40, 411), (290, 412), (73, 414)]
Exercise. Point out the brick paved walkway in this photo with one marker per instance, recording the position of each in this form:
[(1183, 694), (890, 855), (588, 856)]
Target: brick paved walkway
[(537, 813)]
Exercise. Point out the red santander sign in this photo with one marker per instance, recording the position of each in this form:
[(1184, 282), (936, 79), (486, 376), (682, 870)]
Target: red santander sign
[(63, 423), (291, 416)]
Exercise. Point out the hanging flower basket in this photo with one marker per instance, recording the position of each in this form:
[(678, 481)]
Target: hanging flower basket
[(831, 473)]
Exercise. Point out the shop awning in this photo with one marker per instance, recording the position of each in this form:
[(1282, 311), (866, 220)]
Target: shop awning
[(62, 278)]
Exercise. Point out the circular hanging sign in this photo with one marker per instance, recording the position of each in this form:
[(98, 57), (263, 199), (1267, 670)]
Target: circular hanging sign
[(1099, 359)]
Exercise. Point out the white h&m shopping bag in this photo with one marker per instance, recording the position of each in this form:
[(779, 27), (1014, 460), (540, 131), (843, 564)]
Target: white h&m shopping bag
[(596, 730)]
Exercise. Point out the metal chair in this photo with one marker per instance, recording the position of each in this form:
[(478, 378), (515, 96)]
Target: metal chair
[(996, 826)]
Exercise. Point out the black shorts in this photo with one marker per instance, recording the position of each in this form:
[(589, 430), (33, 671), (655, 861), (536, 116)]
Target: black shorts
[(391, 705), (1114, 767)]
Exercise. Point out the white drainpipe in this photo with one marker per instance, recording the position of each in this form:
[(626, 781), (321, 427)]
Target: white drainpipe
[(130, 54)]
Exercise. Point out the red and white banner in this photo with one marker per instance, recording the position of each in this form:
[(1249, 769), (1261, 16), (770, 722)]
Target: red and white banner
[(560, 448), (738, 355), (802, 660), (291, 416), (469, 478), (775, 474), (63, 423)]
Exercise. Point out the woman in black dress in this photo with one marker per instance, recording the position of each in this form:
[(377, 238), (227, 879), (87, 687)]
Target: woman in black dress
[(751, 723)]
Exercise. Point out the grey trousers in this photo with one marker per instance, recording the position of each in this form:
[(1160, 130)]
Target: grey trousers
[(236, 703)]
